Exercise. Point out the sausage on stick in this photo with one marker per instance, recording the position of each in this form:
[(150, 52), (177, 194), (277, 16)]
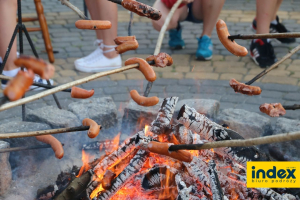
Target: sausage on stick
[(143, 101), (93, 24), (144, 67)]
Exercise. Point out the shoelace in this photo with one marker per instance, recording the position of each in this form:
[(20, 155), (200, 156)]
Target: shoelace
[(112, 48), (96, 57)]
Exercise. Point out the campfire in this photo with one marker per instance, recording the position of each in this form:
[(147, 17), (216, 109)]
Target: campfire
[(142, 167)]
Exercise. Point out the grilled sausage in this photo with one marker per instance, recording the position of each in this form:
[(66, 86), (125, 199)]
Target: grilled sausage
[(38, 66), (17, 86), (93, 24), (79, 93), (94, 127), (127, 46), (141, 9), (244, 89), (55, 144), (121, 40), (230, 45), (144, 67), (162, 148), (143, 101), (161, 60), (272, 109), (107, 179)]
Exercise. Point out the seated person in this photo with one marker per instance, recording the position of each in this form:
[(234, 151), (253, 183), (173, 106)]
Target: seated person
[(104, 57), (198, 11), (261, 50)]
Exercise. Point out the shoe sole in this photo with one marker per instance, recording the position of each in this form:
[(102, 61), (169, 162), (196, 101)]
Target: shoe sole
[(203, 59), (91, 70), (177, 48)]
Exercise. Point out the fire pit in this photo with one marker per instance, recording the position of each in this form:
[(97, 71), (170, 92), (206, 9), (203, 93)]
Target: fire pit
[(142, 168)]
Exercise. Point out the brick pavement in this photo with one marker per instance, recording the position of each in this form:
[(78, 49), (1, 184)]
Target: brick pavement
[(187, 78)]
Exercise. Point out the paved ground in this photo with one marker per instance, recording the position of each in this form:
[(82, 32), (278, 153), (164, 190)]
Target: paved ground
[(187, 78)]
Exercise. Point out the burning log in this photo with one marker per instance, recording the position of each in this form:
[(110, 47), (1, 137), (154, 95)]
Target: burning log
[(134, 167), (185, 136), (159, 180), (183, 190), (115, 157), (164, 117), (211, 131), (214, 181), (76, 187)]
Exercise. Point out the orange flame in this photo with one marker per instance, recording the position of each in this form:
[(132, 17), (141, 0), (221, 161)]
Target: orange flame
[(85, 163), (112, 145)]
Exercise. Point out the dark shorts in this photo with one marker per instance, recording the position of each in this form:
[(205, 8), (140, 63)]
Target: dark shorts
[(190, 17)]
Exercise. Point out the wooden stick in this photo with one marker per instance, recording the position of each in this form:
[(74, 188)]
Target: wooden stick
[(275, 65), (265, 36), (43, 146), (160, 39), (65, 86), (74, 8), (239, 143), (35, 84), (293, 107), (43, 132)]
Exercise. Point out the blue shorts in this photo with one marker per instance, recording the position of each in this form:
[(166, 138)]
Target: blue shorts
[(190, 17)]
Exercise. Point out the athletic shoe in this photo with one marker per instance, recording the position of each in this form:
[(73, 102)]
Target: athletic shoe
[(99, 62), (205, 48), (37, 79), (99, 50), (175, 39), (262, 52), (277, 28)]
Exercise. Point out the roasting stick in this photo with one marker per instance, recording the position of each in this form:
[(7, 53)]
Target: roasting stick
[(65, 86), (74, 8), (35, 84), (43, 132), (275, 65), (293, 107), (239, 143), (160, 39), (265, 36), (26, 148)]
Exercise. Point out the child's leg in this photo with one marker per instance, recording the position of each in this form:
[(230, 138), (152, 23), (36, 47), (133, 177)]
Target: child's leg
[(179, 15), (8, 9)]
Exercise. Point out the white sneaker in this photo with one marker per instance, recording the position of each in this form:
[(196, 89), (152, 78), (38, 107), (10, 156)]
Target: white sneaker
[(37, 79), (99, 62), (99, 50)]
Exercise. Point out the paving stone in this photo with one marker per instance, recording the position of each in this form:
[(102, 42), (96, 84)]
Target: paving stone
[(136, 117), (279, 87), (290, 149), (102, 110), (54, 117), (292, 96), (247, 124)]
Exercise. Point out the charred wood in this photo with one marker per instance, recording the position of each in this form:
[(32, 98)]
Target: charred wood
[(115, 157), (184, 192), (134, 167), (212, 131), (76, 188), (214, 181), (185, 136), (162, 122), (98, 144)]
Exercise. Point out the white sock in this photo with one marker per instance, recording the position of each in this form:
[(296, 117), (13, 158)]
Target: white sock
[(274, 22), (11, 73), (268, 40)]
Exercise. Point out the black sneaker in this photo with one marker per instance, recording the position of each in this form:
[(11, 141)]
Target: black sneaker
[(262, 52), (278, 28)]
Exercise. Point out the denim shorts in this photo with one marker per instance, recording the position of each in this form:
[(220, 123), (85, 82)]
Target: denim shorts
[(190, 17)]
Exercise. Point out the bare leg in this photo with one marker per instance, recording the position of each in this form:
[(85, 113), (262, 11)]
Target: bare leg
[(276, 8), (179, 15), (208, 11), (264, 15), (105, 10), (8, 9)]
